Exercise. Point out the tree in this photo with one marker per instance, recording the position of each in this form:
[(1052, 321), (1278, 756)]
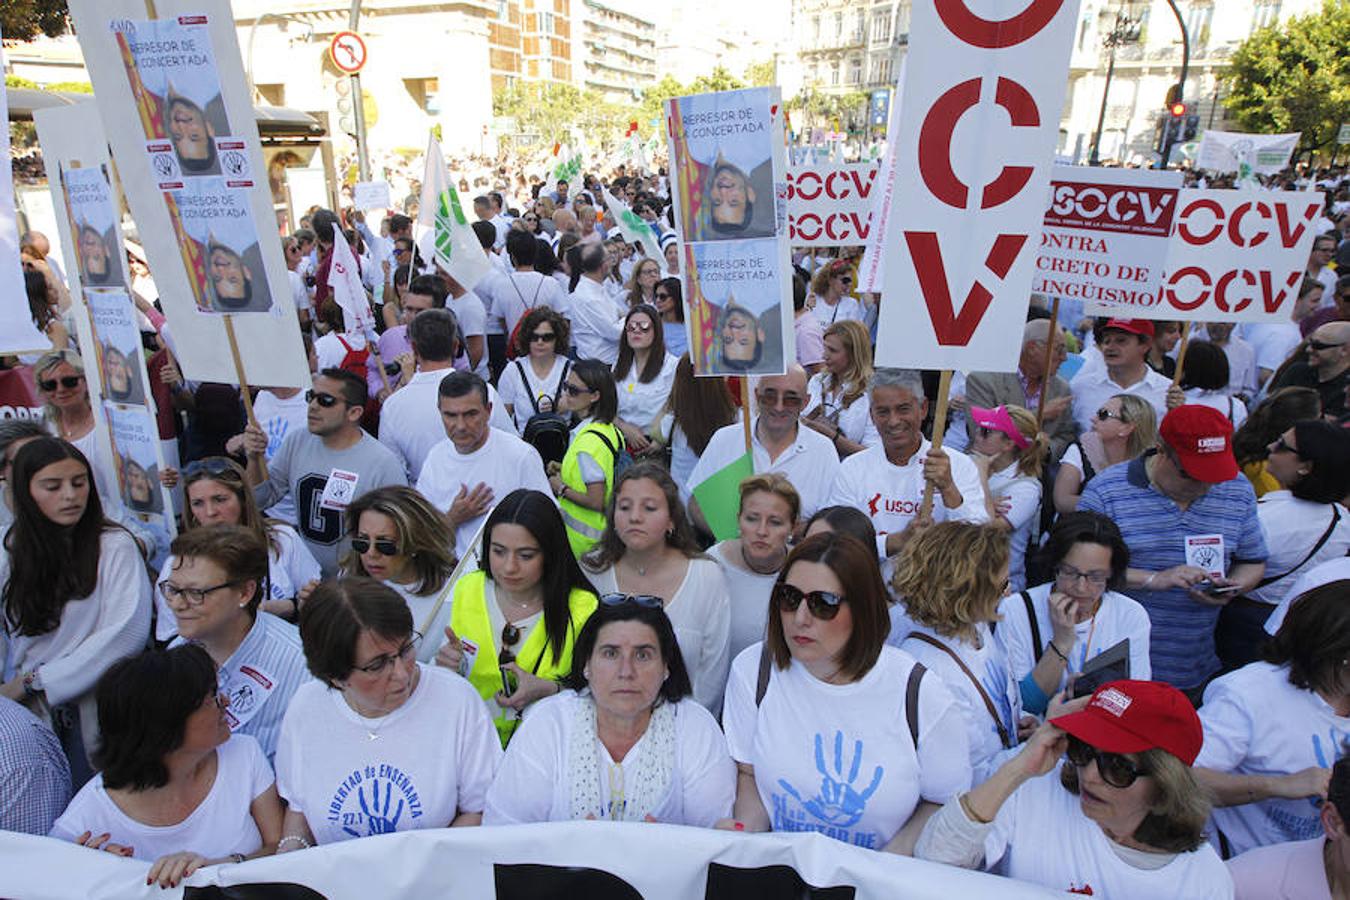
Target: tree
[(552, 110), (1295, 78), (761, 74), (23, 20), (719, 80)]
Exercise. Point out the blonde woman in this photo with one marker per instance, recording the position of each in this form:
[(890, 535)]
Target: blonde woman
[(1123, 428), (830, 294), (397, 537), (951, 578), (837, 403), (1009, 454)]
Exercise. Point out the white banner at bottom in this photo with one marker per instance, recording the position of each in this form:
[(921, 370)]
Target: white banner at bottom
[(594, 860)]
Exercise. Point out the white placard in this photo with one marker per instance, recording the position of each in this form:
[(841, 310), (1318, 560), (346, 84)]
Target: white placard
[(371, 195), (1231, 151), (981, 104), (831, 206)]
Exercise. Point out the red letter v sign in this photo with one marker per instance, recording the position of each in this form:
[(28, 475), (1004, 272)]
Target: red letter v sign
[(950, 327)]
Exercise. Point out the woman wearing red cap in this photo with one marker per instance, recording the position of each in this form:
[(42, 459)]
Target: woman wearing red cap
[(1124, 817)]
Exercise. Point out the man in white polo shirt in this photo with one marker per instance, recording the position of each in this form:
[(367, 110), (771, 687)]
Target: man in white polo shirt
[(1124, 344), (887, 482), (469, 472), (805, 457)]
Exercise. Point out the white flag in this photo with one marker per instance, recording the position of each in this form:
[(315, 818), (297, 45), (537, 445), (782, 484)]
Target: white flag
[(634, 228), (566, 167), (344, 279), (444, 233)]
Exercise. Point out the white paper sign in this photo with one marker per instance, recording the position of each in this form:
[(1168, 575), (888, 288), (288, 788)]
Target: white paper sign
[(1205, 551), (973, 153), (340, 490), (371, 195), (830, 206), (1231, 151)]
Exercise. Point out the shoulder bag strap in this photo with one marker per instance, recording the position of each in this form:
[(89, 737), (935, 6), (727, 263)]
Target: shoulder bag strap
[(912, 701), (557, 395), (1321, 542), (765, 665), (984, 695), (525, 383), (1036, 648)]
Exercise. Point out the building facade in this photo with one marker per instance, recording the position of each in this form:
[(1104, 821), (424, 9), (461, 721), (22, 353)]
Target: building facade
[(616, 50), (531, 41), (849, 47)]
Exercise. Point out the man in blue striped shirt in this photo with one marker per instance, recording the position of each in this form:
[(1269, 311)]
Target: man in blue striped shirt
[(1185, 492)]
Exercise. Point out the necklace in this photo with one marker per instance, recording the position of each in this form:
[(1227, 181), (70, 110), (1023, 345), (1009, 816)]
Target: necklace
[(773, 570)]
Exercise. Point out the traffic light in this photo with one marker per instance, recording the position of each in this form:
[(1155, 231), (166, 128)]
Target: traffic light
[(1173, 95), (1191, 127)]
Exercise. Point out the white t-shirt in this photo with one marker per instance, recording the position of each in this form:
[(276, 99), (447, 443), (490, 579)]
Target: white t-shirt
[(290, 567), (1293, 871), (1042, 836), (1273, 342), (1117, 618), (533, 783), (420, 605), (700, 613), (517, 393), (838, 758), (277, 418), (220, 825), (329, 351), (639, 403), (597, 321), (854, 420), (847, 308), (431, 759), (410, 420), (1257, 723), (1292, 528), (299, 293), (513, 293), (1325, 573), (471, 314), (810, 462), (1222, 401), (749, 595), (1024, 494), (1093, 388), (503, 463), (989, 663)]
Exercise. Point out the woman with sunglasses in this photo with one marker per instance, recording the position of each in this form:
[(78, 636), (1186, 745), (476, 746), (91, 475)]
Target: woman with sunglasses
[(74, 590), (379, 742), (837, 406), (751, 561), (833, 731), (532, 382), (1123, 817), (668, 296), (648, 548), (1051, 631), (216, 492), (1305, 520), (584, 481), (1009, 453), (1122, 429), (641, 287), (643, 375), (514, 621), (623, 742), (1271, 418), (950, 580), (174, 786), (399, 538), (830, 289)]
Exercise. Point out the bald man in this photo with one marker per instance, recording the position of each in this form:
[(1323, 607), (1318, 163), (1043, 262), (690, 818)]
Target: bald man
[(1025, 387), (1327, 367), (805, 457)]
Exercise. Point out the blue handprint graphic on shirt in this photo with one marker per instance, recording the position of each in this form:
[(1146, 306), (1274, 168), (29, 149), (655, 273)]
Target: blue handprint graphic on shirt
[(837, 802), (1335, 748), (276, 432), (376, 810)]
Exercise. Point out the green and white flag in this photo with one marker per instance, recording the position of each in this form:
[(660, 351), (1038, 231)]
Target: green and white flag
[(634, 228), (444, 232), (566, 167)]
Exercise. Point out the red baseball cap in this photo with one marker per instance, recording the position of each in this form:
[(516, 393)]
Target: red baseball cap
[(1133, 716), (1202, 438), (1142, 327)]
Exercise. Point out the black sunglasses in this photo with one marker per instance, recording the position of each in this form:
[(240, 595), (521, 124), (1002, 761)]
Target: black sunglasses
[(648, 600), (547, 337), (211, 465), (575, 391), (383, 546), (1318, 345), (324, 400), (824, 605), (1114, 768), (1105, 415), (1281, 445), (66, 381)]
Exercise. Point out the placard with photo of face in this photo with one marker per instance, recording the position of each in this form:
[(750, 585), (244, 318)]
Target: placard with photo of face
[(117, 338), (218, 239), (135, 442), (93, 225)]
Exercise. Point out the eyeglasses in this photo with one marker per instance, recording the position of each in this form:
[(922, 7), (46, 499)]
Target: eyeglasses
[(1282, 446), (66, 381), (824, 605), (574, 391), (546, 337), (531, 218), (210, 466), (662, 295), (640, 327), (380, 663), (295, 248), (1114, 768), (1318, 345), (650, 601), (1105, 415), (194, 596), (771, 398), (1068, 573), (324, 400), (383, 546)]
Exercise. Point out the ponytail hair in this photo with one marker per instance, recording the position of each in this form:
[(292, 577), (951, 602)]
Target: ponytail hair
[(1031, 460)]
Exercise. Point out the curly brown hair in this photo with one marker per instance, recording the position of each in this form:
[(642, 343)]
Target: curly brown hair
[(532, 320), (948, 575)]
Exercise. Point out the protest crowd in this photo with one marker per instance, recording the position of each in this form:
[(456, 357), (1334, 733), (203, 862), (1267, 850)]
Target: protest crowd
[(1095, 637)]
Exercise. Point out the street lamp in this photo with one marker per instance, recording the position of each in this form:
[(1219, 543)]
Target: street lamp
[(1124, 31)]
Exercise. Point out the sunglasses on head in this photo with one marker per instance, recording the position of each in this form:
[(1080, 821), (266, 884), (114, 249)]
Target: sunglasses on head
[(547, 337), (210, 466), (619, 599), (1114, 768), (66, 381), (383, 546), (823, 605), (324, 400)]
